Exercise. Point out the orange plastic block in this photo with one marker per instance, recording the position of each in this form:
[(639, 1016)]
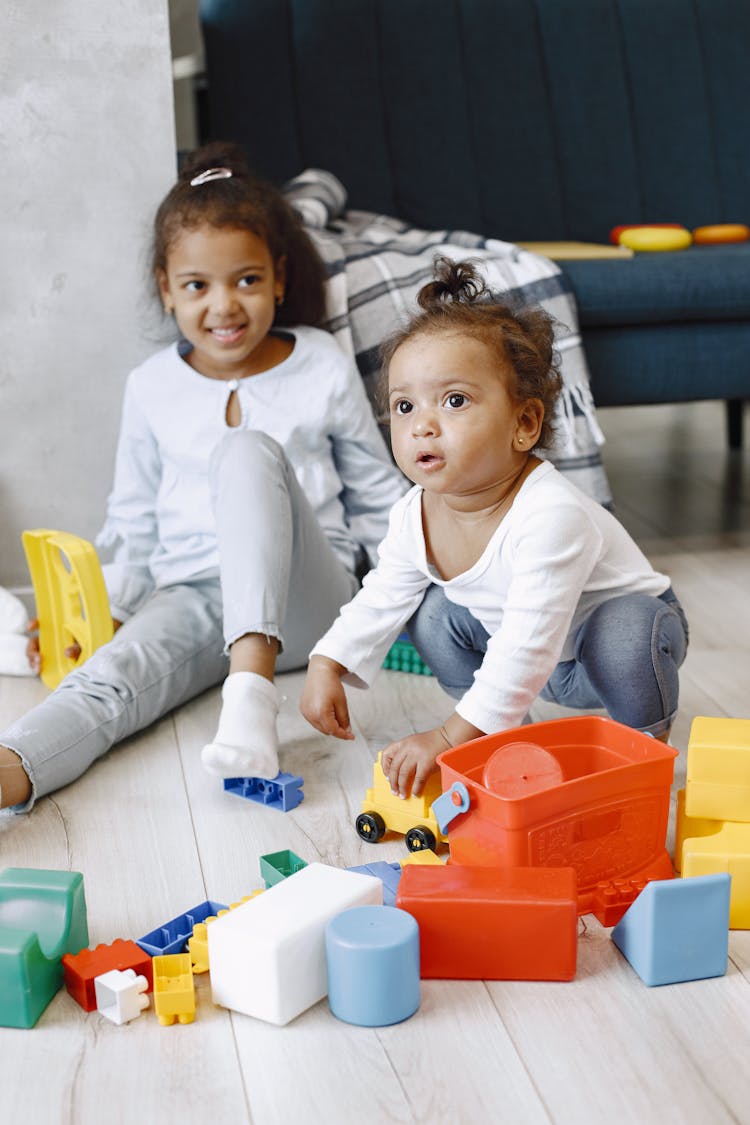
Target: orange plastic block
[(483, 923), (608, 818), (80, 969), (718, 769), (613, 898)]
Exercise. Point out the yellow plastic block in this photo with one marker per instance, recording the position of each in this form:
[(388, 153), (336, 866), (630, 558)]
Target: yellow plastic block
[(174, 990), (718, 769), (423, 857), (726, 850), (198, 942), (71, 599), (687, 826)]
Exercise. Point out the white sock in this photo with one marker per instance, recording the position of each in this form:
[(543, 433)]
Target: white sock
[(13, 658), (246, 743), (13, 616)]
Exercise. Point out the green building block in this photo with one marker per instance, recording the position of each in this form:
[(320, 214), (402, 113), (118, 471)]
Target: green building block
[(42, 916), (279, 865), (403, 657)]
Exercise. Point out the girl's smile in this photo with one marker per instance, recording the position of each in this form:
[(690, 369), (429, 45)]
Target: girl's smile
[(223, 286)]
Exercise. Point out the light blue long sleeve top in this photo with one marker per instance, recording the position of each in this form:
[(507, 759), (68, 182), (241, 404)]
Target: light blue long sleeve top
[(160, 526)]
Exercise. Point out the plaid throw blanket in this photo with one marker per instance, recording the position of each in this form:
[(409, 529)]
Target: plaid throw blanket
[(376, 265)]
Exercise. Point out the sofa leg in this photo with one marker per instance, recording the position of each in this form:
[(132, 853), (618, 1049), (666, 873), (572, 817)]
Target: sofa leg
[(735, 408)]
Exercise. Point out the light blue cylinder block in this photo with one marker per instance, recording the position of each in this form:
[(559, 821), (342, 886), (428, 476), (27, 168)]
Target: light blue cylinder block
[(373, 965)]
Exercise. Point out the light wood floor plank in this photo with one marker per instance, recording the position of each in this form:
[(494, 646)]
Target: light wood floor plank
[(155, 835)]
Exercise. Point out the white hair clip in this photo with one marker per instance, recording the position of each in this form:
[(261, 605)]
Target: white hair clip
[(211, 174)]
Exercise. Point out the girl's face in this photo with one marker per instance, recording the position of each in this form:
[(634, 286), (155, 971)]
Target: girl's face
[(222, 286), (455, 429)]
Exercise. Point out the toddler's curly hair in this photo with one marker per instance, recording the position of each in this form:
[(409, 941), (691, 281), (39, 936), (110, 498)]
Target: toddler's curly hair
[(457, 301)]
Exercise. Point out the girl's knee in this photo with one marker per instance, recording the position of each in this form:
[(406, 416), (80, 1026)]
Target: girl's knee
[(243, 446)]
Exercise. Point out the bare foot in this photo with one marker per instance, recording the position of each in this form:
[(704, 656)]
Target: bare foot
[(15, 787)]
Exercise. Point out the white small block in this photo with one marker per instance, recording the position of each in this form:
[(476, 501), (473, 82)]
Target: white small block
[(268, 957), (120, 995)]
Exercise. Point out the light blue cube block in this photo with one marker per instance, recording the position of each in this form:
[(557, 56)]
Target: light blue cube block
[(677, 929), (372, 954), (390, 873)]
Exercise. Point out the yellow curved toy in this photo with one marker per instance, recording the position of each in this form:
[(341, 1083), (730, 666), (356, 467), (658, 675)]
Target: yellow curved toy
[(71, 599), (656, 238)]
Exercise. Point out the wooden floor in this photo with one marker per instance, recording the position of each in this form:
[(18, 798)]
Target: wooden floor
[(154, 835)]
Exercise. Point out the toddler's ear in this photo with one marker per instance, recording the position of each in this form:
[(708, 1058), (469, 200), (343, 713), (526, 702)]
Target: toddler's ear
[(529, 424)]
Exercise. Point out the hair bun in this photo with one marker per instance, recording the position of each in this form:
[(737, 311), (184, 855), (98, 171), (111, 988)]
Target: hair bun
[(217, 154), (455, 282)]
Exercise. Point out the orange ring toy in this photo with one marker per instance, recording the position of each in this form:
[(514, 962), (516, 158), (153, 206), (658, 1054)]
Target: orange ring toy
[(721, 232)]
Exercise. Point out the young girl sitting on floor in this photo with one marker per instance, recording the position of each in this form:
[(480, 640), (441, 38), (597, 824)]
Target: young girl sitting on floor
[(514, 583), (251, 482)]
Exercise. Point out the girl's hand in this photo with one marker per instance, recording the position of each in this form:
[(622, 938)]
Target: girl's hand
[(408, 763), (32, 648), (323, 700)]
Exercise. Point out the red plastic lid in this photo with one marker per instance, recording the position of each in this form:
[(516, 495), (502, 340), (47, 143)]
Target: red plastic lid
[(520, 768)]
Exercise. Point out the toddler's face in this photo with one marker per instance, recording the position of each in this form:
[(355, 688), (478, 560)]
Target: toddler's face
[(222, 285), (455, 429)]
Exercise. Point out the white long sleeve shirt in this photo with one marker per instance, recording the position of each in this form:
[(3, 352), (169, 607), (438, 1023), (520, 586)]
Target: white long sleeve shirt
[(552, 560), (159, 521)]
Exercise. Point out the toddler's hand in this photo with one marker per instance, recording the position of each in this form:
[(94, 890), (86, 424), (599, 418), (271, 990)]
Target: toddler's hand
[(408, 763), (323, 700)]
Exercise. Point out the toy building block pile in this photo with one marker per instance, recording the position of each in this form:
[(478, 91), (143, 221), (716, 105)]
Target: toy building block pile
[(403, 657), (713, 810)]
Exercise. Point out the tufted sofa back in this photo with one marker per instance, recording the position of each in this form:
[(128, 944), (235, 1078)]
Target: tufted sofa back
[(523, 119)]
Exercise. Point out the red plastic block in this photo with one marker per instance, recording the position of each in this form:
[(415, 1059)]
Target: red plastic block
[(81, 969), (484, 923), (611, 899), (607, 819)]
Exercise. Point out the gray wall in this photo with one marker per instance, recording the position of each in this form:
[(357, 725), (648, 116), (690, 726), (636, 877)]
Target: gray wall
[(87, 149)]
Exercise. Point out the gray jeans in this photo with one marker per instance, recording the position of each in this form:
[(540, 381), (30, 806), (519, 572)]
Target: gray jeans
[(278, 575)]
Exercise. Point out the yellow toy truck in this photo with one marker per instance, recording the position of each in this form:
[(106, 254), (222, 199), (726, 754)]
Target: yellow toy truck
[(412, 818)]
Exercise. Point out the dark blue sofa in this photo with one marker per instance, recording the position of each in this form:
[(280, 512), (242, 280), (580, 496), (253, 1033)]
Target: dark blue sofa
[(526, 120)]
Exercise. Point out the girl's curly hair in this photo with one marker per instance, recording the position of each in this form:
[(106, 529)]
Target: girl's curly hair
[(458, 301)]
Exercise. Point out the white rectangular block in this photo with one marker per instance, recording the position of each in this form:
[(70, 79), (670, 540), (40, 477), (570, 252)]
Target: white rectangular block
[(268, 958)]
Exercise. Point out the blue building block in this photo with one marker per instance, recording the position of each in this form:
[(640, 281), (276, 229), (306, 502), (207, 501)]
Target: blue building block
[(389, 873), (283, 793), (677, 929), (173, 936)]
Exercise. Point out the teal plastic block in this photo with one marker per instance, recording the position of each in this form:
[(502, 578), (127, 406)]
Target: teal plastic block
[(403, 657), (42, 917), (677, 929), (279, 865)]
